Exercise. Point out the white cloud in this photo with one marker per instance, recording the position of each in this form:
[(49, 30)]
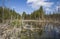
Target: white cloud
[(57, 8), (49, 10), (38, 3), (57, 5), (29, 1)]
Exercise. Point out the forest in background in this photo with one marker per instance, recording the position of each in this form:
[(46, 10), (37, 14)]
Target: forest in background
[(7, 13), (36, 15)]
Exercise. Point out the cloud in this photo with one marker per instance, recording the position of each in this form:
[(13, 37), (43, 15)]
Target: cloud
[(57, 5), (49, 10), (38, 3), (57, 8), (28, 1)]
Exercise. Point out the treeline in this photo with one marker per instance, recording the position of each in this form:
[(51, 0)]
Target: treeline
[(54, 16), (6, 14), (40, 15), (37, 14)]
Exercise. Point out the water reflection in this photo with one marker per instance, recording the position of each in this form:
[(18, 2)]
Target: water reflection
[(51, 31), (45, 31)]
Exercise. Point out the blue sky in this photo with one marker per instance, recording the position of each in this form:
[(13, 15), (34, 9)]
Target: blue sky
[(30, 5)]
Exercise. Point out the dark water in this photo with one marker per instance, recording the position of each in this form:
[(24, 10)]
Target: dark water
[(50, 31)]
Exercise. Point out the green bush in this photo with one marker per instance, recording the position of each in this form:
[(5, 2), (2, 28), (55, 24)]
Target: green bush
[(16, 23)]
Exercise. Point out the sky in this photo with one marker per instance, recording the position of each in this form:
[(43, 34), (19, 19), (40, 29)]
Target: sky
[(29, 6)]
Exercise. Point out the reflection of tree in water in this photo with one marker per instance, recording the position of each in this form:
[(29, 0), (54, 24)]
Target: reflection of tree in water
[(45, 31), (36, 33)]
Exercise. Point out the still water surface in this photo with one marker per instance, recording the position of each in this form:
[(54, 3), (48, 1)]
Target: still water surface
[(50, 31)]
